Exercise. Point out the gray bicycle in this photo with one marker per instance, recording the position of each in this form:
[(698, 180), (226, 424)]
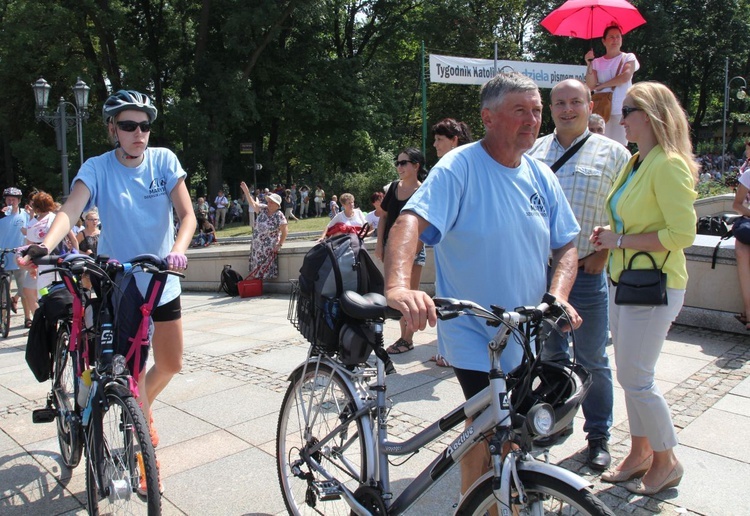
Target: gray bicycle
[(332, 444)]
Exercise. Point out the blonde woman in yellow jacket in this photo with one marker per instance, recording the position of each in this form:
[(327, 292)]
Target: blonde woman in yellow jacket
[(650, 209)]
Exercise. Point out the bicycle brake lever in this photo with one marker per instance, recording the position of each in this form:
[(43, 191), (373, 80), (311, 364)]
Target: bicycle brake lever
[(444, 315)]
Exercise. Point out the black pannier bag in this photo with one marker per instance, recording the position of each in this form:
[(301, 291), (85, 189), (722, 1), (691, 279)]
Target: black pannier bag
[(330, 268), (40, 344)]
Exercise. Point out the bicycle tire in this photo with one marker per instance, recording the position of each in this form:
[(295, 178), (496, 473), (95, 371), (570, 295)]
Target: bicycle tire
[(116, 436), (5, 304), (69, 434), (329, 400), (556, 497)]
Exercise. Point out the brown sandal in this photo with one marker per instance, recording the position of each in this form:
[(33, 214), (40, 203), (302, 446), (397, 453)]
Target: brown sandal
[(400, 346), (27, 323)]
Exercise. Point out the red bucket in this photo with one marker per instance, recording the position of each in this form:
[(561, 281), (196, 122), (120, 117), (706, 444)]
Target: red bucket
[(250, 287)]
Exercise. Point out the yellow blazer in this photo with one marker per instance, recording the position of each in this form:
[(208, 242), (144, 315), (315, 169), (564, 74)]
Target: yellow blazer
[(659, 198)]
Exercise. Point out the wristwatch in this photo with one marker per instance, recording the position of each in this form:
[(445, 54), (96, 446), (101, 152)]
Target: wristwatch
[(619, 242)]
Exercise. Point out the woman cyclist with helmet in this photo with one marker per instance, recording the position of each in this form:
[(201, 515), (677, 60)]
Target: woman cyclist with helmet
[(140, 184)]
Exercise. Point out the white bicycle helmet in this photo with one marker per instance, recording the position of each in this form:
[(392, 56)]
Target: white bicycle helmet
[(124, 100), (12, 191)]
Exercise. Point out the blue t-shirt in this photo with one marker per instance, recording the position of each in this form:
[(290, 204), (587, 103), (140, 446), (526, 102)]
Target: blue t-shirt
[(135, 208), (11, 236), (492, 228)]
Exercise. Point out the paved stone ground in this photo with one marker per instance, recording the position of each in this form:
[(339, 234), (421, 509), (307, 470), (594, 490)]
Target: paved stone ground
[(217, 420)]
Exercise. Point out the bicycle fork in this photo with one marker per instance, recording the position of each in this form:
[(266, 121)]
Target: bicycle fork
[(505, 473)]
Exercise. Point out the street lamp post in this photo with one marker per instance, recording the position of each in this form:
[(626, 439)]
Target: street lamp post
[(61, 121), (740, 95)]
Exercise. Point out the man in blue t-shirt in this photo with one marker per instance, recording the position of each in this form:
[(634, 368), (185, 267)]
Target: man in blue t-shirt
[(11, 237), (494, 217)]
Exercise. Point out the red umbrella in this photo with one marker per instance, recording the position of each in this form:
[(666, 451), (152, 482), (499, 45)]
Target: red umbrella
[(587, 19)]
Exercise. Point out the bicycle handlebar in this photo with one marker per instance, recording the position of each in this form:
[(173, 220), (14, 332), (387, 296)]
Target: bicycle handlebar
[(78, 263), (450, 308)]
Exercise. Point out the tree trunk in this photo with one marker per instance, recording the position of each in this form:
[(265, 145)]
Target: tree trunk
[(213, 167)]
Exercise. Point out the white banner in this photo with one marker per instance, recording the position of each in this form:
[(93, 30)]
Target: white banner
[(465, 70)]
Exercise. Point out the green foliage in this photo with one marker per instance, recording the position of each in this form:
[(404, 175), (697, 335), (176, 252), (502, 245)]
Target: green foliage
[(364, 183), (329, 90), (712, 188)]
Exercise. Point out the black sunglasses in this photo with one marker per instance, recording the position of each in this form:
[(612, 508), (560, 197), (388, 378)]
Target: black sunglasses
[(404, 162), (129, 126), (626, 110)]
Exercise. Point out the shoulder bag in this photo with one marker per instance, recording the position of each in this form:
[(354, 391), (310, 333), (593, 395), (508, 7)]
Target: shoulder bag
[(603, 99), (641, 287)]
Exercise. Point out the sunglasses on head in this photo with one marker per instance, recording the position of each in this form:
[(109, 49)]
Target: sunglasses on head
[(129, 126), (404, 162), (626, 110)]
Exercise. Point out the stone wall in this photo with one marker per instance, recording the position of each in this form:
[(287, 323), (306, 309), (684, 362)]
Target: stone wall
[(712, 297), (206, 264)]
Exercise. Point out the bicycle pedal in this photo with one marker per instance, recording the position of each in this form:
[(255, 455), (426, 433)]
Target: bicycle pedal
[(43, 415), (327, 490)]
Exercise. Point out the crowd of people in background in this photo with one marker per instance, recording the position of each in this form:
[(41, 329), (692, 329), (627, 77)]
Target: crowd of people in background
[(712, 165)]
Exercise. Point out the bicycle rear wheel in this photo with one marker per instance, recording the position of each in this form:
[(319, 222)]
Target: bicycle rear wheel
[(121, 445), (5, 304), (546, 494), (314, 405), (63, 385)]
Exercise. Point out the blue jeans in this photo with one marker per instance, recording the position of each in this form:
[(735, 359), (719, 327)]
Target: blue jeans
[(590, 297)]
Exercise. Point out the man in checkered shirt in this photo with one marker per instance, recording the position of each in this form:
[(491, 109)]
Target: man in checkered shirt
[(586, 178)]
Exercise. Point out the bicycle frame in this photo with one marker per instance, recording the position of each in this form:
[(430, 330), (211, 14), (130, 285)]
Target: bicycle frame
[(378, 468)]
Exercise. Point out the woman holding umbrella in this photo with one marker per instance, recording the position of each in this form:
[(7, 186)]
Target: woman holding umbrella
[(613, 72)]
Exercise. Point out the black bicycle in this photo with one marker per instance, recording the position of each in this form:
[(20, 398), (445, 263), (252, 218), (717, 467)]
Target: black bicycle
[(93, 395), (6, 302)]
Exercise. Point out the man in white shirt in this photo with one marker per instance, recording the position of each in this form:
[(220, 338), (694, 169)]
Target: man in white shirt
[(221, 203)]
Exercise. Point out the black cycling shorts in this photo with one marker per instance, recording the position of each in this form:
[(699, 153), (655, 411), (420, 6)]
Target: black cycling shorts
[(168, 312), (472, 382)]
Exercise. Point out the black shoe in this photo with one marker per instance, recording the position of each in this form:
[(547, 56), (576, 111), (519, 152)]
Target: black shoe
[(551, 440), (598, 456)]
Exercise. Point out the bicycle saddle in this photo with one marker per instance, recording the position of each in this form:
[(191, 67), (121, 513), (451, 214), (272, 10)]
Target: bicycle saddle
[(367, 307)]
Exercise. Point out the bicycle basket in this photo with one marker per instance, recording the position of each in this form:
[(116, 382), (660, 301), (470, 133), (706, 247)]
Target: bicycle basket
[(318, 320), (562, 385)]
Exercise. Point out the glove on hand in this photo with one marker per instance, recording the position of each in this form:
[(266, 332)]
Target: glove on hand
[(33, 251), (177, 261)]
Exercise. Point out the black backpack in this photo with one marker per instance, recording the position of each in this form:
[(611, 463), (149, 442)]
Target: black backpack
[(229, 280), (330, 268), (714, 226)]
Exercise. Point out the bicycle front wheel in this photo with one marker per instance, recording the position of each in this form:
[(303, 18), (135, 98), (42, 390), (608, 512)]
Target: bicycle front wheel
[(314, 405), (121, 452), (5, 306), (63, 386), (546, 495)]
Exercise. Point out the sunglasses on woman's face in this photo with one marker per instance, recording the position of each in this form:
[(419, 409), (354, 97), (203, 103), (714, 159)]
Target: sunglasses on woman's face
[(130, 126), (404, 162), (626, 110)]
